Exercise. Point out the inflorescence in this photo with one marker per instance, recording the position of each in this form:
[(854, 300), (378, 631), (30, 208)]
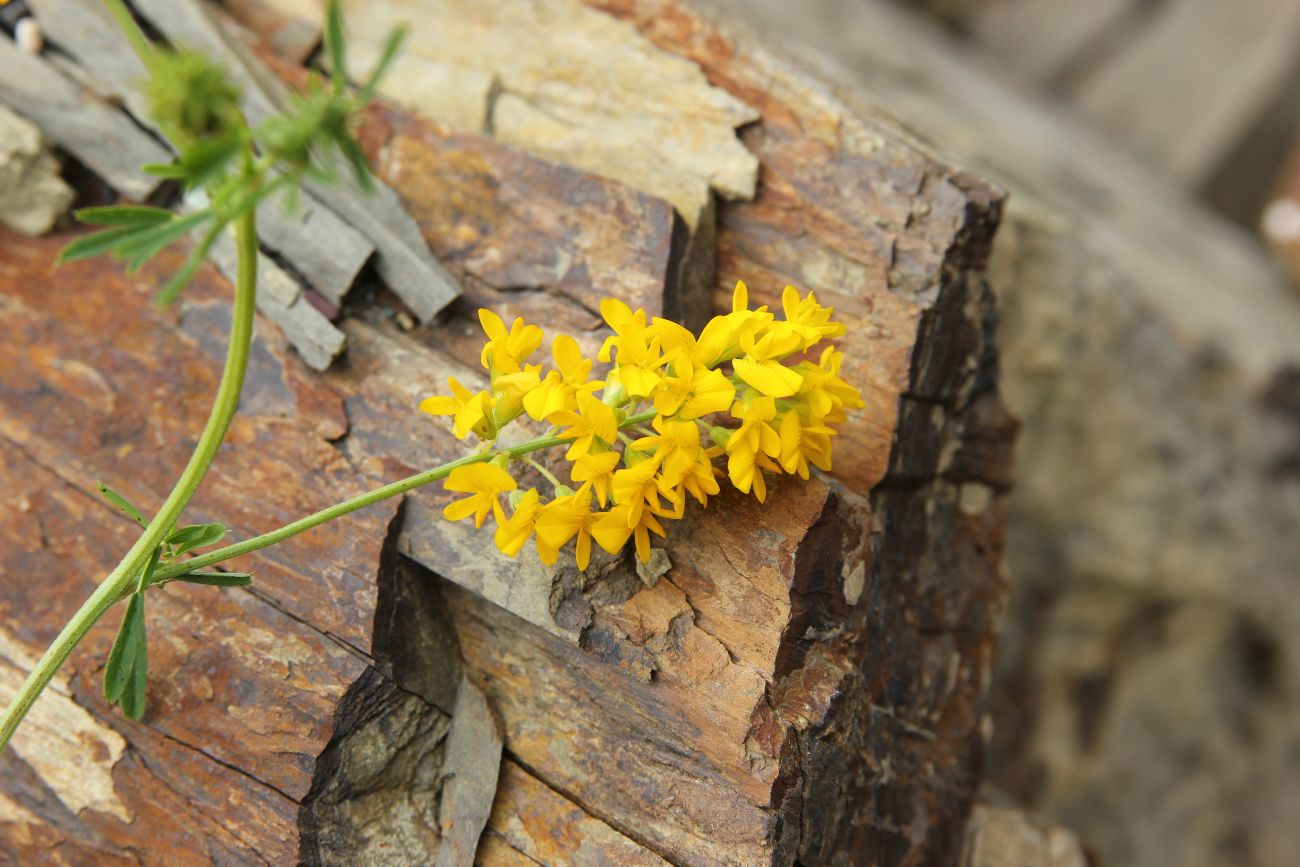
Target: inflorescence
[(752, 387)]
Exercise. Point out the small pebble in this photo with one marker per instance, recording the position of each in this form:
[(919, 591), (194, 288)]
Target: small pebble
[(1281, 221), (27, 34), (404, 320)]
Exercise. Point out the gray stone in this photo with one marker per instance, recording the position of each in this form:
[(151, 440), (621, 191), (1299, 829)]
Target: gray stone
[(32, 193)]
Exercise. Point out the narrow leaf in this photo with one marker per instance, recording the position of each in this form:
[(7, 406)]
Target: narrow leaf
[(196, 536), (129, 644), (391, 47), (174, 171), (217, 579), (178, 281), (144, 245), (121, 502), (207, 160), (94, 244), (123, 215), (335, 45), (147, 575), (137, 685), (357, 159)]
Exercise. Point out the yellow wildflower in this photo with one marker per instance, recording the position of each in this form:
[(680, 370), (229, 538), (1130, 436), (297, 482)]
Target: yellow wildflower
[(754, 439), (677, 449), (807, 318), (510, 390), (505, 351), (563, 519), (761, 366), (592, 422), (785, 404), (639, 487), (484, 483), (513, 532), (558, 391), (800, 443), (596, 468), (614, 527), (638, 358), (691, 391), (470, 412)]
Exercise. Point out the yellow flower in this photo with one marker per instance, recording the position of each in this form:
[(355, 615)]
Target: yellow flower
[(691, 391), (592, 422), (557, 392), (676, 448), (596, 468), (505, 351), (614, 527), (470, 412), (755, 439), (807, 318), (484, 483), (513, 532), (801, 443), (751, 470), (563, 519), (761, 366), (701, 480), (639, 488), (824, 393), (510, 390), (638, 359)]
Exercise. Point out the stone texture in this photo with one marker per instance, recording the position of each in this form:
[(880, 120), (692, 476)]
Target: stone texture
[(807, 680), (70, 116), (32, 193), (1150, 667), (1007, 837), (569, 84)]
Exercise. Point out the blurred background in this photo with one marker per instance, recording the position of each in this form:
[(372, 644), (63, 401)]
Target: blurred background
[(1149, 333)]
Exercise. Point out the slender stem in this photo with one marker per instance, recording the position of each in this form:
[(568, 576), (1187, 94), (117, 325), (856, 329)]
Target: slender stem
[(369, 498), (545, 473), (121, 578), (127, 24)]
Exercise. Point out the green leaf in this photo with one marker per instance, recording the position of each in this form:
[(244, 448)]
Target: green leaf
[(207, 159), (146, 244), (147, 575), (357, 159), (196, 536), (391, 47), (94, 244), (121, 502), (335, 46), (178, 281), (137, 686), (173, 171), (129, 650), (123, 215), (217, 579)]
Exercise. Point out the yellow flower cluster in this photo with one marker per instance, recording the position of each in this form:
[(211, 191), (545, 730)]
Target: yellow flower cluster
[(644, 437)]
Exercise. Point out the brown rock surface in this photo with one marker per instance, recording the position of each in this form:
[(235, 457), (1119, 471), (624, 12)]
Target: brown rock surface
[(1150, 667), (806, 681)]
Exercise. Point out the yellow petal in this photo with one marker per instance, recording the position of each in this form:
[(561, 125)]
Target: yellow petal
[(460, 509), (439, 405), (769, 377)]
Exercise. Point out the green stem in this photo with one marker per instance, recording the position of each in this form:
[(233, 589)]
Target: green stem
[(369, 498), (121, 578), (127, 24)]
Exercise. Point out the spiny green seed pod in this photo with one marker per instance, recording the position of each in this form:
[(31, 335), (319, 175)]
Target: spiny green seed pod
[(319, 117), (191, 97)]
